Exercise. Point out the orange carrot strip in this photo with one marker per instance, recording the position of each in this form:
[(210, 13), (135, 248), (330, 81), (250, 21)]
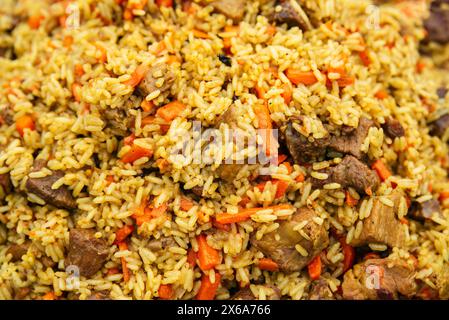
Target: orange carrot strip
[(186, 204), (300, 178), (268, 264), (365, 58), (136, 153), (345, 81), (146, 105), (287, 94), (288, 166), (208, 257), (123, 233), (35, 21), (200, 34), (348, 253), (79, 70), (126, 274), (76, 91), (224, 227), (297, 76), (314, 268), (49, 296), (25, 122), (137, 76), (381, 94), (103, 54), (165, 3), (171, 111), (350, 201), (165, 291), (67, 41), (191, 257), (444, 195), (382, 171), (207, 289)]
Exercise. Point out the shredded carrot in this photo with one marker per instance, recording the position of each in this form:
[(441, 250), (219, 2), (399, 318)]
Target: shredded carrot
[(103, 55), (208, 257), (146, 214), (364, 56), (287, 94), (264, 119), (382, 171), (137, 76), (348, 253), (200, 34), (165, 3), (49, 296), (67, 41), (165, 291), (173, 59), (271, 30), (136, 153), (208, 289), (297, 76), (268, 264), (35, 21), (245, 200), (281, 187), (224, 227), (129, 140), (259, 91), (191, 257), (171, 111), (381, 94), (126, 274), (345, 81), (300, 178), (159, 48), (350, 201), (112, 271), (186, 204), (281, 158), (202, 217), (444, 195), (76, 91), (25, 122), (403, 220), (188, 7), (314, 268), (245, 214), (420, 66), (79, 70), (288, 166), (123, 233), (162, 164), (146, 105)]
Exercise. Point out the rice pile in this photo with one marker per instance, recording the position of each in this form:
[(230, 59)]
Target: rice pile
[(71, 134)]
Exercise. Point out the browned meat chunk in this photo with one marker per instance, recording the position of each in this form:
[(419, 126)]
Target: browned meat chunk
[(86, 251), (60, 198), (382, 225), (161, 244), (228, 172), (229, 117), (351, 172), (118, 121), (48, 262), (425, 210), (437, 23), (6, 116), (303, 149), (393, 128), (5, 183), (350, 141), (291, 13), (159, 77), (439, 126), (320, 291), (197, 191), (18, 250), (379, 279), (233, 9), (441, 92), (21, 293), (247, 294), (283, 251)]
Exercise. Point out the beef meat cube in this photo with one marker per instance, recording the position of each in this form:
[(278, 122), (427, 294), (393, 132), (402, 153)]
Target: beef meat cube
[(382, 226), (60, 198), (351, 172), (6, 116), (320, 291), (350, 143), (292, 14), (21, 293), (425, 210), (441, 92), (118, 121), (158, 77), (439, 126), (86, 252), (233, 9), (437, 23), (18, 250), (393, 128), (283, 251), (247, 294), (379, 279), (5, 183)]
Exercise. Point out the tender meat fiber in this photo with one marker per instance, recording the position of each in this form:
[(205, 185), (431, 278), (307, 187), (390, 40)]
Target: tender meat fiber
[(159, 77), (18, 250), (60, 198), (283, 251), (320, 291), (302, 149), (229, 117), (441, 92), (351, 142), (86, 251), (161, 244), (6, 116), (21, 293), (5, 183), (247, 294), (197, 191), (437, 24), (379, 279), (382, 225), (393, 128), (48, 262), (351, 172), (233, 9), (118, 121), (425, 210), (439, 126), (292, 14)]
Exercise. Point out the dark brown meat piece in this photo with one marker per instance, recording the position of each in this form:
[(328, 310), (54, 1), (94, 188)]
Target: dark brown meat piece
[(233, 9), (60, 198), (425, 210), (21, 293), (48, 262), (379, 279), (197, 191), (393, 128), (303, 149), (118, 121), (161, 244), (86, 252), (229, 117), (441, 92), (439, 126), (351, 172), (350, 142), (18, 250), (437, 24), (382, 225), (283, 251), (292, 14), (152, 78), (320, 291), (247, 294), (6, 116), (5, 183)]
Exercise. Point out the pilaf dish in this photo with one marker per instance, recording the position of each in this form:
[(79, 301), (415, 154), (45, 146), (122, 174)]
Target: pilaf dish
[(113, 184)]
